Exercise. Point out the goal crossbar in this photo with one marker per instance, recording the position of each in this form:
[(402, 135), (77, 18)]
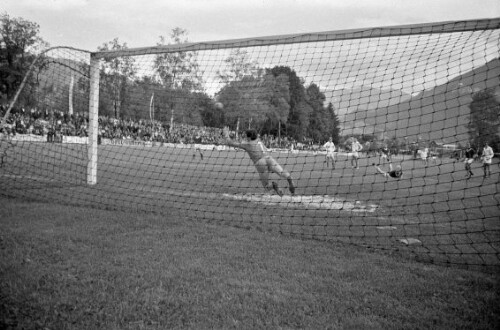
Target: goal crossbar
[(349, 34)]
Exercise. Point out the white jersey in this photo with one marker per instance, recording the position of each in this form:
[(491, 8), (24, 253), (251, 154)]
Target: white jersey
[(329, 147), (487, 155), (424, 153), (355, 148)]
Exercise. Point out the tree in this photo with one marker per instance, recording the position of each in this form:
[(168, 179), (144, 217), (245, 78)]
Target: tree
[(116, 74), (147, 94), (319, 119), (298, 117), (239, 64), (178, 70), (278, 96), (241, 82), (334, 127), (258, 102), (19, 44), (485, 118)]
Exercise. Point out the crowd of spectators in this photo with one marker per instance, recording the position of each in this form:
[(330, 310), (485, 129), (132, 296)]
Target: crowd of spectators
[(55, 124), (156, 131), (45, 123)]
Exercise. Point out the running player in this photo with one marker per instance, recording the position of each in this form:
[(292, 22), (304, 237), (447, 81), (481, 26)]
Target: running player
[(264, 163), (356, 147), (424, 155), (487, 157), (392, 173), (330, 152), (469, 159), (385, 155)]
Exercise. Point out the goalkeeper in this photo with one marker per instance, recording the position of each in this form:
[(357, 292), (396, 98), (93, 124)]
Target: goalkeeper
[(392, 173), (264, 163)]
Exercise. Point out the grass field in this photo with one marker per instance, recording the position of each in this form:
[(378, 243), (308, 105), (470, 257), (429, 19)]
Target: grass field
[(451, 220), (69, 267), (166, 240)]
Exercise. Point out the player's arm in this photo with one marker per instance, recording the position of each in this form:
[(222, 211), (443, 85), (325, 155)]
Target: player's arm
[(262, 146), (227, 139)]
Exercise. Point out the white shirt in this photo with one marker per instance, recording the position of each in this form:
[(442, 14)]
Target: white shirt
[(330, 147), (356, 146), (487, 155)]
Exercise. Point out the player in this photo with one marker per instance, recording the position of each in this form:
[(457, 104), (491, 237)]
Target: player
[(424, 155), (356, 147), (392, 173), (487, 158), (264, 163), (198, 151), (330, 152), (385, 154), (469, 159)]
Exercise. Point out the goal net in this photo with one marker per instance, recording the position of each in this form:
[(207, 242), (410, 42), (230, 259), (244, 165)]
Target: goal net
[(169, 128)]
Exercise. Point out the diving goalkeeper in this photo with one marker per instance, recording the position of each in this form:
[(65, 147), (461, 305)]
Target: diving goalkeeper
[(264, 163), (392, 173)]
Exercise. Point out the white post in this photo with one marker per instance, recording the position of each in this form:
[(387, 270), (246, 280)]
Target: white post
[(71, 83), (171, 121), (93, 121)]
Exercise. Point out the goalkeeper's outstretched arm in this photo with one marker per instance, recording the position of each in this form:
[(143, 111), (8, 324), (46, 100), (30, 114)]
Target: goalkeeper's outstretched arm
[(228, 141)]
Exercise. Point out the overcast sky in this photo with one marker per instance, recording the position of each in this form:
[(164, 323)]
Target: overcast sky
[(87, 24)]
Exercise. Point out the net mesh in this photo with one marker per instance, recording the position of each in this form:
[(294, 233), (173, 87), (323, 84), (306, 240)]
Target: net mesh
[(170, 118)]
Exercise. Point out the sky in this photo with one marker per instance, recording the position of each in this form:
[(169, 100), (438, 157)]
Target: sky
[(88, 24)]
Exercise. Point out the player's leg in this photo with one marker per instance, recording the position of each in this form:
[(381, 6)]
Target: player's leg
[(264, 170), (261, 168), (468, 169), (274, 167), (384, 173), (201, 153), (331, 158)]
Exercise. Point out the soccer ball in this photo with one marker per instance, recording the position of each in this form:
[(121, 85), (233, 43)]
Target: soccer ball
[(219, 105)]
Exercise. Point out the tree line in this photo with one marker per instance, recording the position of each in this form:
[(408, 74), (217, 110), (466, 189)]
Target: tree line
[(274, 101)]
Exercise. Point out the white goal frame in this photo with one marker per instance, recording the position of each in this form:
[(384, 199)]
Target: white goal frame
[(376, 32)]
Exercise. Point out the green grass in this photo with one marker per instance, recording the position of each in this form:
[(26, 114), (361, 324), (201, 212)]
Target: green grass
[(456, 220), (67, 267)]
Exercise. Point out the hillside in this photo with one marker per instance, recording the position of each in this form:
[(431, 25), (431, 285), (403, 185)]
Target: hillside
[(437, 114), (347, 101)]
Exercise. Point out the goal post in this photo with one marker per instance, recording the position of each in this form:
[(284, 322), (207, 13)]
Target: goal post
[(93, 121)]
